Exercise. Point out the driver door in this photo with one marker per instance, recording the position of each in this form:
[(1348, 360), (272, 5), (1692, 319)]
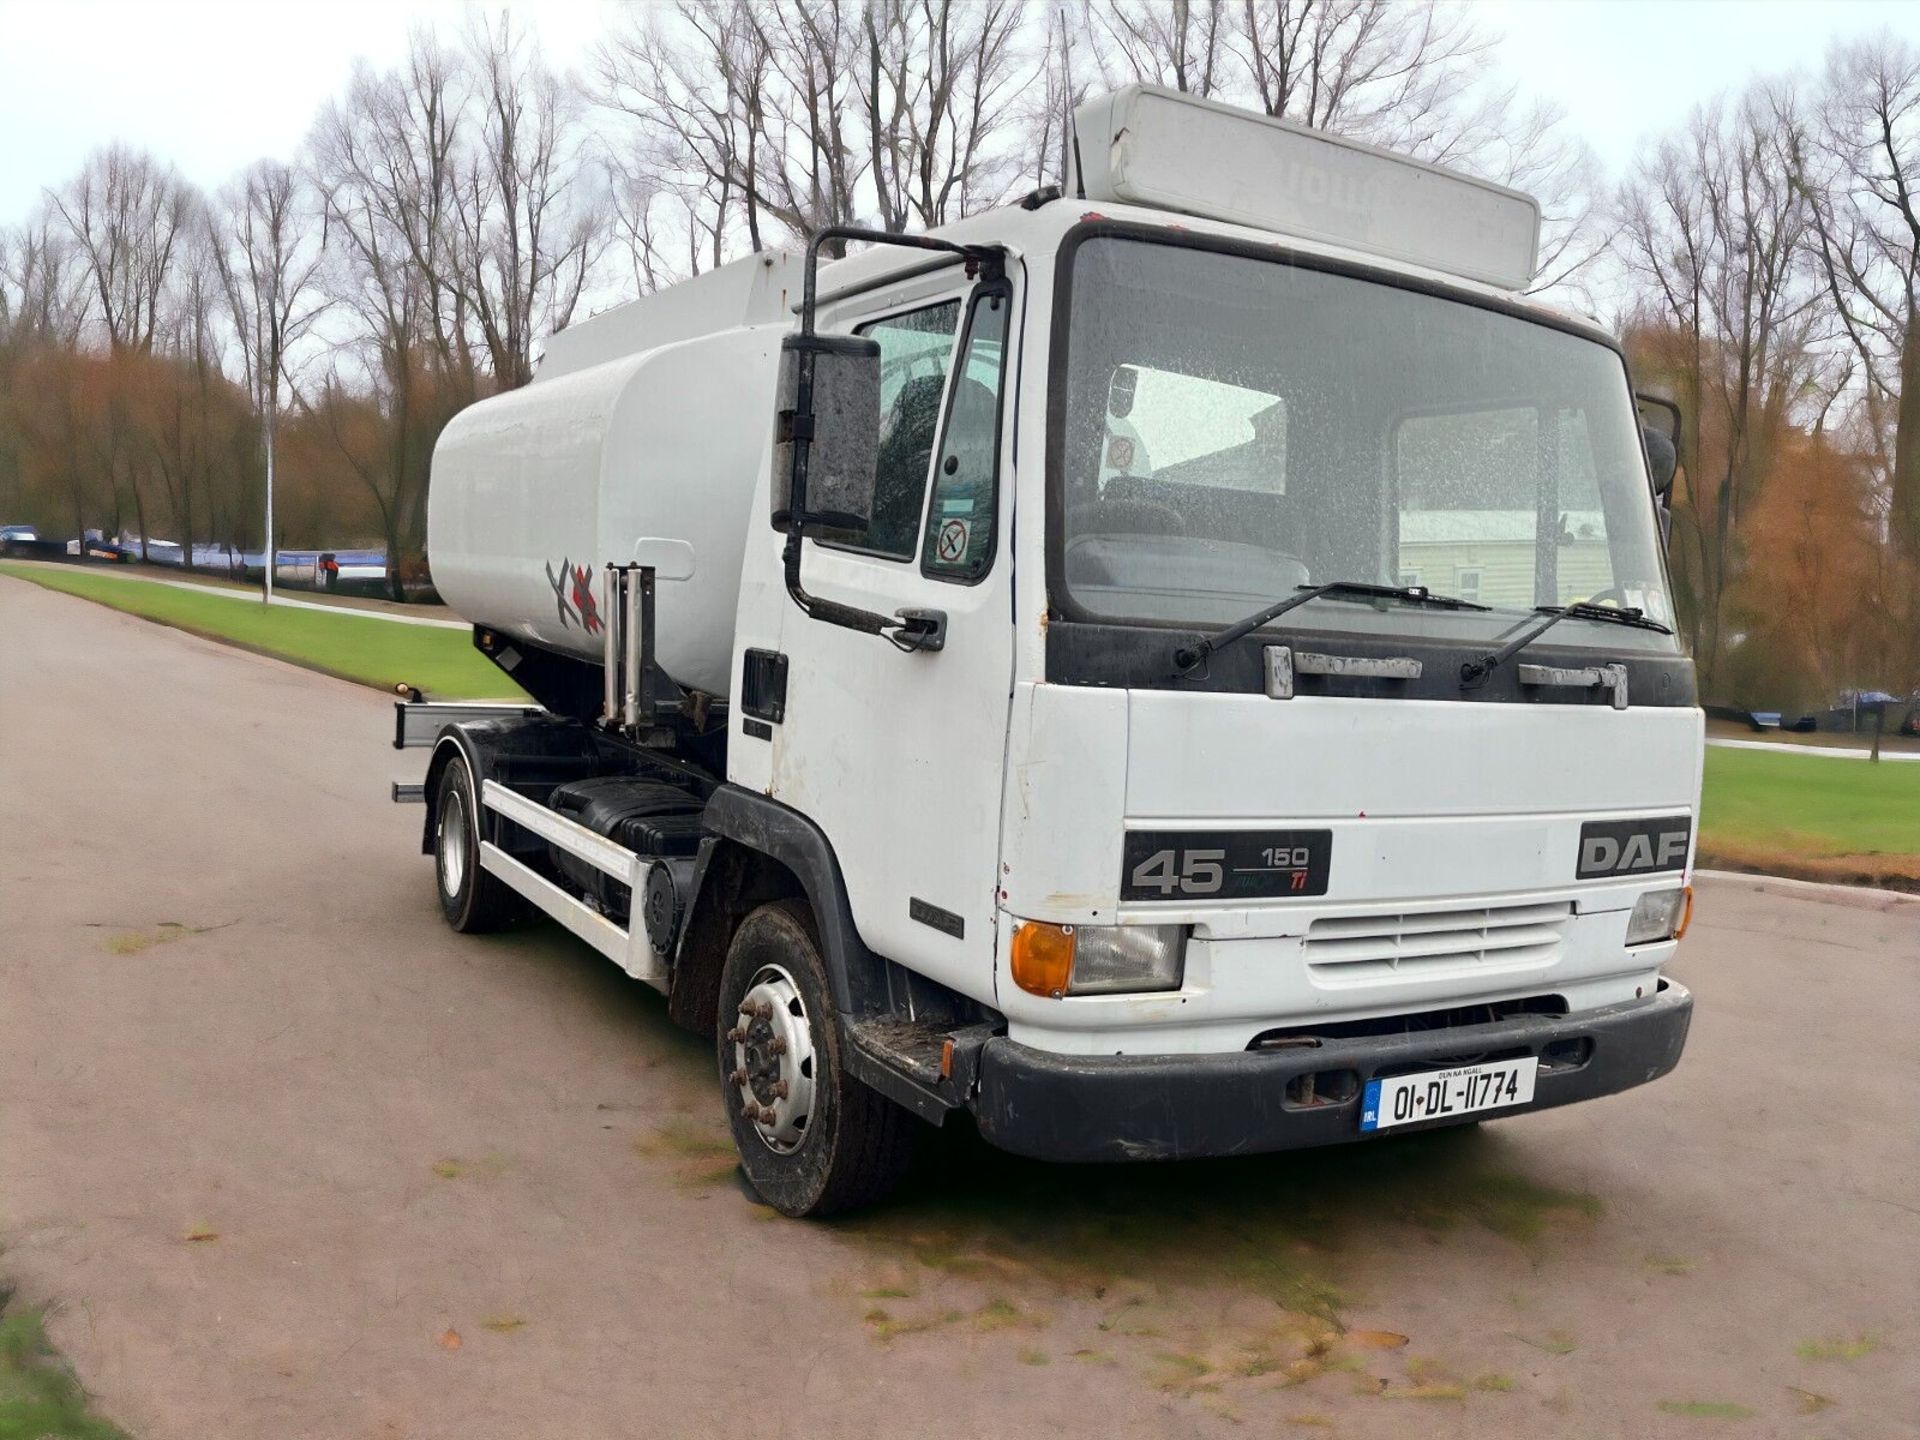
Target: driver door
[(898, 756)]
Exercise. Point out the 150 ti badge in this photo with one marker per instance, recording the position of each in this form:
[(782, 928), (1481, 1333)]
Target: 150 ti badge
[(1224, 864)]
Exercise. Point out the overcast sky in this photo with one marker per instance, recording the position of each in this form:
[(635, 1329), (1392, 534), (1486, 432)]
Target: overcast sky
[(215, 84)]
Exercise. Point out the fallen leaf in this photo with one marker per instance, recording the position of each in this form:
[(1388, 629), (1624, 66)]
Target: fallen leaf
[(1375, 1339), (199, 1235), (1430, 1392), (1809, 1403), (450, 1340)]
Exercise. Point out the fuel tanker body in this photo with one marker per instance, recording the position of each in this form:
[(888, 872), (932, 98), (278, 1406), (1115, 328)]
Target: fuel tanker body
[(1182, 665), (649, 422)]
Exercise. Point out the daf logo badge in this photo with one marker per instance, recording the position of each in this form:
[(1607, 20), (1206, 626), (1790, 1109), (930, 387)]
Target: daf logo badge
[(1633, 847)]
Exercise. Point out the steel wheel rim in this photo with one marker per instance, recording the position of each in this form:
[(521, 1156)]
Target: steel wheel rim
[(774, 1064), (452, 846)]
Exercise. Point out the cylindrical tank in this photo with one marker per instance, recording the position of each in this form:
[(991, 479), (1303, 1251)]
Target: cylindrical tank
[(535, 491)]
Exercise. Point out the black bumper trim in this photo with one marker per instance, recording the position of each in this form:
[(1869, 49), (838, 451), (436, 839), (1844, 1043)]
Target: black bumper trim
[(1176, 1107)]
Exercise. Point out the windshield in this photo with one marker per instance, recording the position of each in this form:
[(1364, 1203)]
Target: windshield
[(1238, 427)]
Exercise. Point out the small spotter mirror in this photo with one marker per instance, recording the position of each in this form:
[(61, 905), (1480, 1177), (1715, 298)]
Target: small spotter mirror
[(1126, 381)]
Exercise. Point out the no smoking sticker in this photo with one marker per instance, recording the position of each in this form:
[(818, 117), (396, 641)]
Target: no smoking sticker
[(952, 543)]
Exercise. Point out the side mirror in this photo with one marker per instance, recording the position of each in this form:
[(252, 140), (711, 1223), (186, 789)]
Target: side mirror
[(1662, 461), (826, 444), (1663, 450)]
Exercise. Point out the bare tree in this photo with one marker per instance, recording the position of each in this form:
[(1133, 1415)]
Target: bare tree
[(43, 285), (525, 229), (384, 162), (937, 81), (1856, 159), (267, 255), (783, 119), (127, 213), (809, 115), (1395, 74), (750, 99), (1712, 231), (1181, 44), (692, 90)]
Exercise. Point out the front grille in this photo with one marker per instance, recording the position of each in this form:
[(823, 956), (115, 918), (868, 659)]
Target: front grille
[(1349, 949)]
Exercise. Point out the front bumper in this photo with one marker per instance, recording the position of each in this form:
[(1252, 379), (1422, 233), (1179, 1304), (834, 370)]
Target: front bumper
[(1177, 1107)]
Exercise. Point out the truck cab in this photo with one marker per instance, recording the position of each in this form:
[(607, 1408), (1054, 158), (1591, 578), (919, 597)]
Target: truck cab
[(1239, 709)]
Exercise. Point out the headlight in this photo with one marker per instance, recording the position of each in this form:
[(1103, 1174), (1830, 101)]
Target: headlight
[(1056, 960), (1660, 915)]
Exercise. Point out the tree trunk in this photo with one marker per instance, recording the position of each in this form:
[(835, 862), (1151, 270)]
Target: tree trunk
[(1906, 444)]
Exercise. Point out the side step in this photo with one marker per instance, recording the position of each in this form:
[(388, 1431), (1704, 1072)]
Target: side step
[(909, 1062), (628, 948)]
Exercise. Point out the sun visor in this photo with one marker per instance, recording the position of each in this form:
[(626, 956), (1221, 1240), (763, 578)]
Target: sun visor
[(1161, 149)]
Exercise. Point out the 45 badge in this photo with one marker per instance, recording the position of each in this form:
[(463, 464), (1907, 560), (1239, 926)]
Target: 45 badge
[(1174, 865)]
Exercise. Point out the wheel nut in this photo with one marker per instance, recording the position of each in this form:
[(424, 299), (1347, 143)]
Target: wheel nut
[(750, 1111), (738, 1077), (780, 1088), (736, 1035), (777, 1045), (768, 1115), (746, 1009), (764, 1010)]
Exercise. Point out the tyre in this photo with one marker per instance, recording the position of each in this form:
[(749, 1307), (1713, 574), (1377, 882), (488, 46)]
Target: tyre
[(473, 901), (812, 1139)]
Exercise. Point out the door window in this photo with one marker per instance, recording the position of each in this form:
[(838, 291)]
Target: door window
[(915, 351), (958, 544)]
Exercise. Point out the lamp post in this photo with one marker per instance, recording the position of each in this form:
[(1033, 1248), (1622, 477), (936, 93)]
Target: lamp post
[(266, 567)]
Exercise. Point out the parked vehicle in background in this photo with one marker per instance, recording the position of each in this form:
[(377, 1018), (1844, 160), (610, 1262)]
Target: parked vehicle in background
[(1007, 689), (18, 532), (96, 546)]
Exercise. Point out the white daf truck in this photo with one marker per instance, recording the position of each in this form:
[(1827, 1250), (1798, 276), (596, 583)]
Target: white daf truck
[(1180, 667)]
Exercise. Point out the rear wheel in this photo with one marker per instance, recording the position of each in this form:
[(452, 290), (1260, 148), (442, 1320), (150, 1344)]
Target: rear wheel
[(473, 901), (812, 1139)]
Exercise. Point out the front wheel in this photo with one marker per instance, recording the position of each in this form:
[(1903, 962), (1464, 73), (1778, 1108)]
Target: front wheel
[(812, 1139)]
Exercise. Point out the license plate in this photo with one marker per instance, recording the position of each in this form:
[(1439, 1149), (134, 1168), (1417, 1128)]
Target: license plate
[(1444, 1094)]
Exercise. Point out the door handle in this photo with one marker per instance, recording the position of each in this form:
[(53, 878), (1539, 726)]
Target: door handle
[(920, 630)]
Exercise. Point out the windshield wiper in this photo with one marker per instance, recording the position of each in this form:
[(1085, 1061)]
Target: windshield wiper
[(1189, 657), (1475, 672)]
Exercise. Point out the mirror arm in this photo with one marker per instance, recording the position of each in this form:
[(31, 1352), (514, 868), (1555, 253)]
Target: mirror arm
[(909, 630)]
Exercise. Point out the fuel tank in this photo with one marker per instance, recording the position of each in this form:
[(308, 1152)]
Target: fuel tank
[(651, 421)]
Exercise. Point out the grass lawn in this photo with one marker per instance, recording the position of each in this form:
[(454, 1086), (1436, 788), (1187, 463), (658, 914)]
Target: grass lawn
[(1797, 811), (354, 645), (39, 1398)]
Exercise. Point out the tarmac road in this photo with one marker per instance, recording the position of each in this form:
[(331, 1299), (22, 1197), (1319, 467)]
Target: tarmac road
[(289, 1158)]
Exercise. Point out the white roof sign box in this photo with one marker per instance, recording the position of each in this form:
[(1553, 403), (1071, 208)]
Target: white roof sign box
[(1169, 151)]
